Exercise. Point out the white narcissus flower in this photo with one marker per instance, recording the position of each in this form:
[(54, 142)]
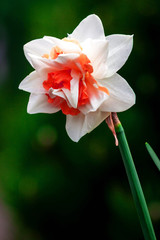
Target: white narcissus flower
[(77, 75)]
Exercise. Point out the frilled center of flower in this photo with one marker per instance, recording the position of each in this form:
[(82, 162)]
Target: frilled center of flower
[(60, 80)]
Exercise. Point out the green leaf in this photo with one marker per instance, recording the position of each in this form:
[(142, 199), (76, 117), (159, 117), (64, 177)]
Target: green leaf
[(153, 155)]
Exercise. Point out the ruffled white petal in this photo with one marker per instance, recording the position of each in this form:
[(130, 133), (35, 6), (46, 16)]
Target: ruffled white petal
[(96, 100), (75, 88), (97, 52), (39, 63), (72, 94), (56, 92), (67, 60), (90, 27), (33, 83), (44, 66), (37, 47), (65, 45), (121, 95), (77, 126), (38, 104), (120, 47)]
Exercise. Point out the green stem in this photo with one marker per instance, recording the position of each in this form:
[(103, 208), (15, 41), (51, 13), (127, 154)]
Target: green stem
[(135, 185)]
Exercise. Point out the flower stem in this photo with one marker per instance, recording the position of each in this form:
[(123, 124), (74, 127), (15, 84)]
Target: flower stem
[(135, 185)]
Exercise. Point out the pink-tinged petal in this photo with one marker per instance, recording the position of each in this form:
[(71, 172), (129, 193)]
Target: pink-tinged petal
[(77, 126), (97, 52), (33, 83), (38, 48), (38, 103), (121, 95), (90, 27), (120, 47), (65, 44)]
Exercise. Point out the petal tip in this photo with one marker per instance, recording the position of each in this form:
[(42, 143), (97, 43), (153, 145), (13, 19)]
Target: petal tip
[(29, 109), (20, 86), (89, 27)]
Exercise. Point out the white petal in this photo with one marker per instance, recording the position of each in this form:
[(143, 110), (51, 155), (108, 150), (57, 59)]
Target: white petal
[(120, 47), (56, 92), (37, 47), (43, 65), (33, 83), (67, 60), (75, 88), (121, 95), (40, 63), (65, 45), (38, 104), (97, 52), (72, 94), (90, 27), (96, 100), (77, 126)]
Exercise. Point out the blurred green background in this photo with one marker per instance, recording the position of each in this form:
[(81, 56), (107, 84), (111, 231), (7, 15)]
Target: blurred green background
[(51, 187)]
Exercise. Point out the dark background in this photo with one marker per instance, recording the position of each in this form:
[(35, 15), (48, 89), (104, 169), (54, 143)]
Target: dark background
[(51, 187)]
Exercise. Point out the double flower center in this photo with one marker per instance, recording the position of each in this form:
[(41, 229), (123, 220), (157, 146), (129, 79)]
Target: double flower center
[(60, 80)]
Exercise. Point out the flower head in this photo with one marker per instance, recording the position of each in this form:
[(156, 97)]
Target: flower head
[(77, 75)]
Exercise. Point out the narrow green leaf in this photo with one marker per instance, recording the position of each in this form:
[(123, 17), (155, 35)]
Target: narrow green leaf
[(153, 155)]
